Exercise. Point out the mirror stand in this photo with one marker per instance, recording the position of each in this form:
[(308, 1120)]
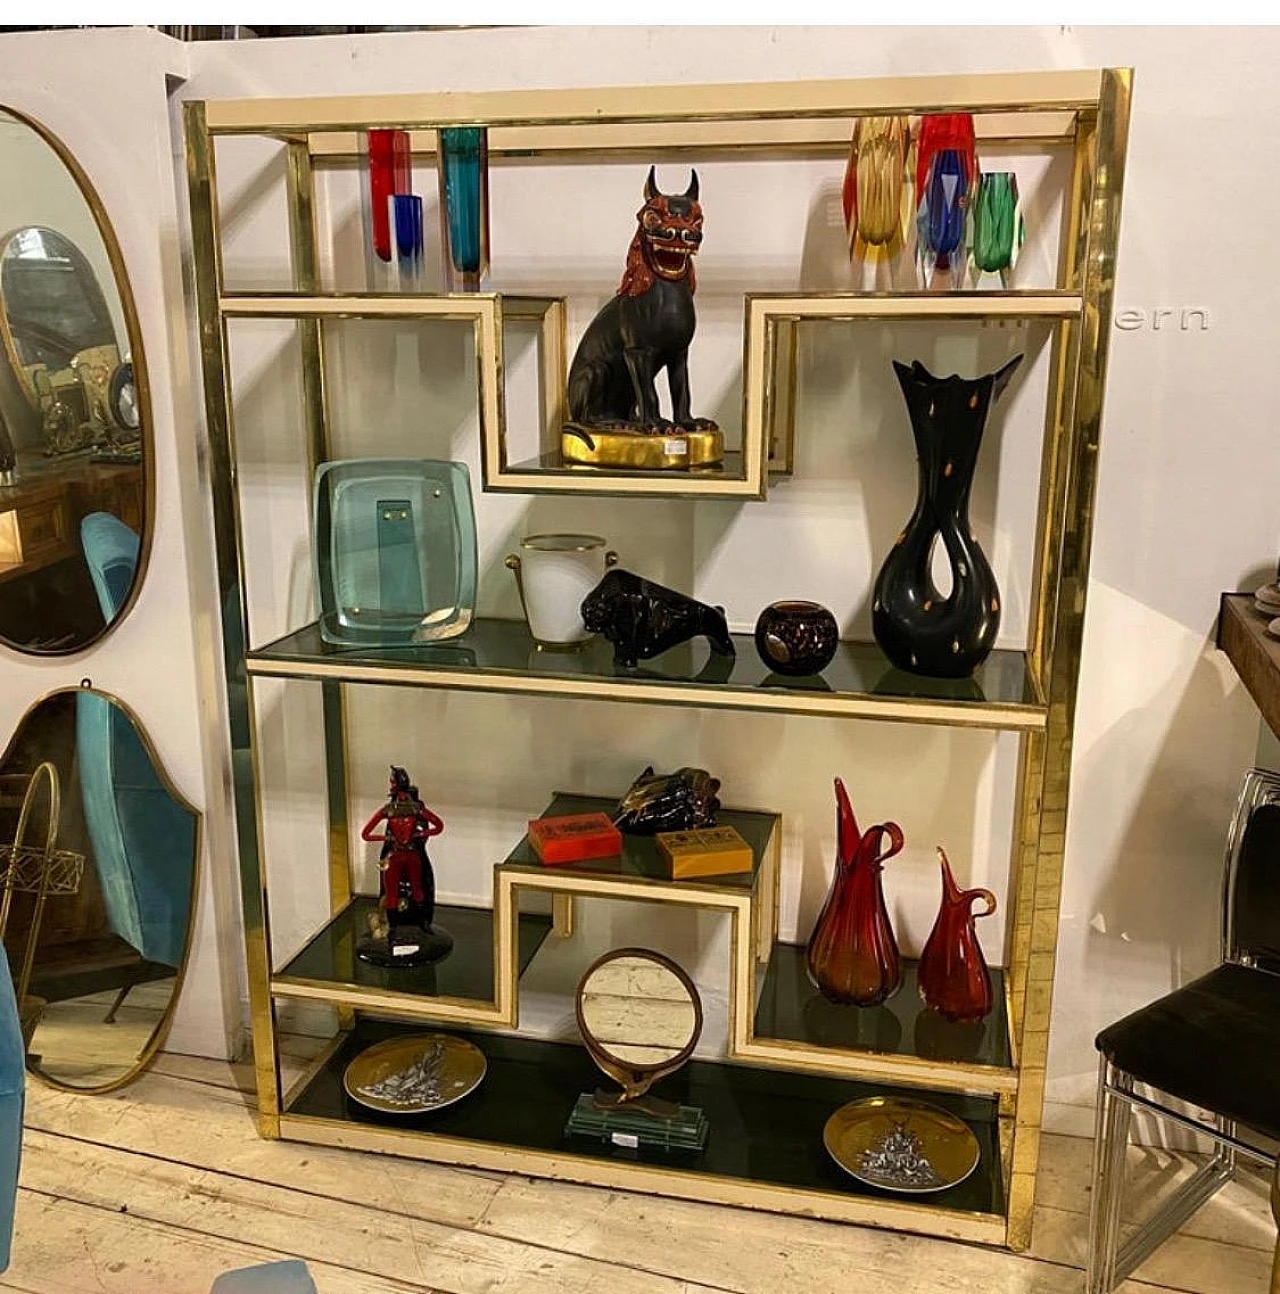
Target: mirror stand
[(640, 1018), (630, 1125)]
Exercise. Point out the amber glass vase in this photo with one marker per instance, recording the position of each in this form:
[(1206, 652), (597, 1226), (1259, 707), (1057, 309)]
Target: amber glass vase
[(953, 974), (852, 955)]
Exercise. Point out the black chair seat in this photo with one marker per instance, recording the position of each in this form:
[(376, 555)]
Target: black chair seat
[(1214, 1043)]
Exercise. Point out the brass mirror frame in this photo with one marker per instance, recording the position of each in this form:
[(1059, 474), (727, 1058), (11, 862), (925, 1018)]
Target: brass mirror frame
[(161, 1031), (136, 349), (636, 1080)]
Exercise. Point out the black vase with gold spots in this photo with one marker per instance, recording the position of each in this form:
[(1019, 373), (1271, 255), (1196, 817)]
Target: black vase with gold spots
[(918, 628)]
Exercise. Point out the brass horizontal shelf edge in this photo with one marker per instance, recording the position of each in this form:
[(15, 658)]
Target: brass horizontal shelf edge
[(822, 135), (341, 305), (417, 1005), (606, 483), (1052, 304), (980, 1228), (969, 714), (623, 887), (941, 1075), (1006, 92)]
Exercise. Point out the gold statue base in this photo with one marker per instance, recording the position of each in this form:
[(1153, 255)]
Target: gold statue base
[(582, 446)]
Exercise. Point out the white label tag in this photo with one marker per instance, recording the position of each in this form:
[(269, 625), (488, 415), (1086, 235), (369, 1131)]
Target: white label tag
[(403, 950), (628, 1139), (678, 448)]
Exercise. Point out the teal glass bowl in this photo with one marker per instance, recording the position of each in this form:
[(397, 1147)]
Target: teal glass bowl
[(395, 550)]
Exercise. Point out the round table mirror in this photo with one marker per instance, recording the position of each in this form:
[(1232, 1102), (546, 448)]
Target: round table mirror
[(75, 433), (98, 858), (640, 1017)]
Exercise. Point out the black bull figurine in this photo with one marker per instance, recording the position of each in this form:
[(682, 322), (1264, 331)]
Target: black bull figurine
[(642, 619)]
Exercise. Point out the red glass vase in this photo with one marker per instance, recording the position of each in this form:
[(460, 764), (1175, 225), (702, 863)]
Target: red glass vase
[(852, 954), (953, 975)]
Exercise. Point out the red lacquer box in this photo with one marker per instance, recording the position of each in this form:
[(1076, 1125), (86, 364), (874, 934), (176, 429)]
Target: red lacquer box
[(575, 837)]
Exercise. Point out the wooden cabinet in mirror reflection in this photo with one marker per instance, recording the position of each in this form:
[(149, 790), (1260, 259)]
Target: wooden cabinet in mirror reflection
[(48, 599)]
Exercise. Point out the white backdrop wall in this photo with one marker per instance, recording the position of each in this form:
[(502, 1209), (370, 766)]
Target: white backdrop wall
[(104, 94), (1164, 730)]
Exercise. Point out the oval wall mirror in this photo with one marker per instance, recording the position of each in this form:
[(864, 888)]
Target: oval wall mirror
[(75, 435), (98, 862)]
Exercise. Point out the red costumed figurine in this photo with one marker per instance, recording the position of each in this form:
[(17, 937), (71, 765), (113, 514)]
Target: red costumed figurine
[(403, 933)]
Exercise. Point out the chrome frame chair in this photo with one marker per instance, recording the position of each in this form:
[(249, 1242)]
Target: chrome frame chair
[(1110, 1262)]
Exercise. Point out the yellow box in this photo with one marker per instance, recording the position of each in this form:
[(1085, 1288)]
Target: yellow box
[(711, 851)]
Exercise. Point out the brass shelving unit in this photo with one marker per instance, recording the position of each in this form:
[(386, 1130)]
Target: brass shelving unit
[(782, 1075)]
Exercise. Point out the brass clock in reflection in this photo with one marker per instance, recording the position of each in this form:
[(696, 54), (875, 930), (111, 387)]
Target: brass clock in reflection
[(123, 402)]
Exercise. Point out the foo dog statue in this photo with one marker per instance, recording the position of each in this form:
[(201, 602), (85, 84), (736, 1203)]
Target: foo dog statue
[(614, 416), (642, 619)]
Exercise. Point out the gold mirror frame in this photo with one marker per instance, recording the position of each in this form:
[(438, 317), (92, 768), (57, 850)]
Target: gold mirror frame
[(636, 1080), (142, 385), (161, 1029)]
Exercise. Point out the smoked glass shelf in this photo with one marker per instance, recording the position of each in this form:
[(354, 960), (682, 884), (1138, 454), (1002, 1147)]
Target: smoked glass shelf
[(791, 1012), (328, 969), (500, 656), (766, 1130)]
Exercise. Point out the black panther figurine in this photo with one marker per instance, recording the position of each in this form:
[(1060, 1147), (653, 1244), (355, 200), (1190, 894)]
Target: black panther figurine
[(645, 328), (679, 801), (642, 619)]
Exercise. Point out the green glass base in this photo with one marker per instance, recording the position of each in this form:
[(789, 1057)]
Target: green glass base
[(633, 1128)]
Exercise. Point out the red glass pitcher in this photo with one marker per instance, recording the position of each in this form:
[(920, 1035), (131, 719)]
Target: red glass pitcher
[(953, 975), (852, 954)]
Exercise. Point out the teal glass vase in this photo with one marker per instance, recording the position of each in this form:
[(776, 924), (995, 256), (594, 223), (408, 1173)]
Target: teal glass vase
[(395, 551), (463, 169)]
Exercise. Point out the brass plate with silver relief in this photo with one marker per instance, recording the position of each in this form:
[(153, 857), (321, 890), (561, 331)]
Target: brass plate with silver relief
[(899, 1145), (415, 1074)]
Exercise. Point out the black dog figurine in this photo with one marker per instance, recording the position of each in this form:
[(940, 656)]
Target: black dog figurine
[(642, 619), (646, 327)]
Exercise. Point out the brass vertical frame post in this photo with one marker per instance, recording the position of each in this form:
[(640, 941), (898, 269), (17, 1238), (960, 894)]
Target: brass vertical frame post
[(1100, 234), (780, 417), (206, 241), (1064, 368), (305, 264)]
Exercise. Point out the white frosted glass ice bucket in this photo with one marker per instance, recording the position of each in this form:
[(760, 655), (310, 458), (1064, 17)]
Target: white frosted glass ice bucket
[(554, 574)]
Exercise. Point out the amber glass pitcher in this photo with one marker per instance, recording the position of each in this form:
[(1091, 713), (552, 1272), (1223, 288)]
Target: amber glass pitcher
[(852, 955), (953, 974)]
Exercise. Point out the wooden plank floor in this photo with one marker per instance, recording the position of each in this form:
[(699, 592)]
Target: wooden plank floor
[(158, 1189)]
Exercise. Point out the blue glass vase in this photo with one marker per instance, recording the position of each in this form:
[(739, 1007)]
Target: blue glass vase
[(395, 550), (464, 202)]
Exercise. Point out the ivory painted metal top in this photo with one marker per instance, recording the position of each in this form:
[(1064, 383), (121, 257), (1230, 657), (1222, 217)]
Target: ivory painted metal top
[(992, 92)]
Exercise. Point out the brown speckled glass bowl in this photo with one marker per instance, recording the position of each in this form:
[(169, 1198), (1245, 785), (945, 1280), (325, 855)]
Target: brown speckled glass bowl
[(797, 638)]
